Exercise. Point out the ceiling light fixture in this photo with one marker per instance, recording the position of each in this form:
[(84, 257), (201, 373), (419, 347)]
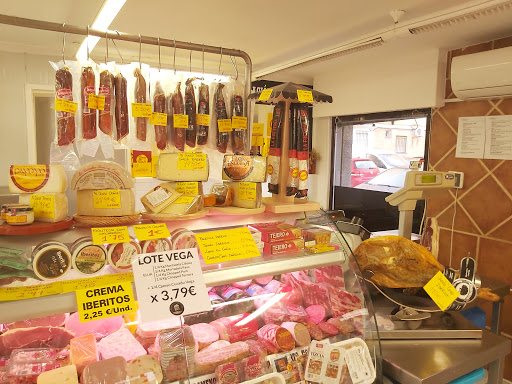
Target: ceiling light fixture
[(107, 14)]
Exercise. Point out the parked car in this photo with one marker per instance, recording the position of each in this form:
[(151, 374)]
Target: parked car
[(391, 180), (387, 160), (362, 170)]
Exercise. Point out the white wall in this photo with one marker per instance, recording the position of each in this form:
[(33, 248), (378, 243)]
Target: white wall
[(319, 183), (16, 70)]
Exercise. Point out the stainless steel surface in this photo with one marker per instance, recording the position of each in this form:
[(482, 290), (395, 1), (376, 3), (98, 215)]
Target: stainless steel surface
[(440, 361)]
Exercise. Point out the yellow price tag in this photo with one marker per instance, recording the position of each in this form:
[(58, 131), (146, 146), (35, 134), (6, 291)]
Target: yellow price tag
[(202, 119), (96, 102), (151, 231), (441, 291), (155, 165), (266, 146), (43, 205), (180, 121), (107, 198), (184, 200), (265, 94), (224, 125), (227, 245), (305, 96), (105, 301), (91, 282), (257, 129), (192, 160), (239, 122), (247, 191), (141, 164), (257, 141), (63, 105), (30, 292), (187, 187), (110, 235), (141, 110), (158, 119), (269, 124)]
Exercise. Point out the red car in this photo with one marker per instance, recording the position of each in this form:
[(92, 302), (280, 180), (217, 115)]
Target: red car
[(362, 171)]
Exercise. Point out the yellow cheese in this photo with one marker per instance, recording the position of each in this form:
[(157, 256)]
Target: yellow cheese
[(184, 205), (63, 375), (48, 207), (159, 197), (245, 194), (37, 178), (245, 168), (102, 175), (190, 166), (92, 203)]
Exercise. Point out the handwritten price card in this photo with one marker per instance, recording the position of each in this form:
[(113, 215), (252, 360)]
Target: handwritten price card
[(227, 245), (110, 235)]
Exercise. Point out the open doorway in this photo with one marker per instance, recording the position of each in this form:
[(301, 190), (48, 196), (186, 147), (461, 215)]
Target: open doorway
[(371, 155)]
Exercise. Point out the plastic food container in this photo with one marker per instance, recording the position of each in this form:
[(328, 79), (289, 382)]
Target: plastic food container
[(51, 260), (120, 256), (19, 215), (88, 258), (156, 245)]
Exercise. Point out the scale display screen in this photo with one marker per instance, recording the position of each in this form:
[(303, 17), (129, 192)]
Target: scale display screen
[(428, 179)]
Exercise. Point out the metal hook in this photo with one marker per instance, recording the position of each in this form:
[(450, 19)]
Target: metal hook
[(190, 62), (159, 63), (174, 64), (140, 49), (87, 43), (63, 44), (233, 61), (220, 61), (106, 46), (115, 45)]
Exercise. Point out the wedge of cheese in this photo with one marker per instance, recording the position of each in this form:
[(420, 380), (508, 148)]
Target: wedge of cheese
[(37, 178), (63, 375), (102, 175), (245, 168), (184, 205), (245, 194), (159, 197), (109, 202), (191, 166), (48, 207)]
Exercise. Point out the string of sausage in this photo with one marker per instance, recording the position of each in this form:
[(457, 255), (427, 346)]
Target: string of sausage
[(159, 107), (106, 89), (178, 109), (204, 108), (222, 114), (190, 111), (65, 120), (238, 134), (274, 152), (122, 127), (88, 115), (140, 97)]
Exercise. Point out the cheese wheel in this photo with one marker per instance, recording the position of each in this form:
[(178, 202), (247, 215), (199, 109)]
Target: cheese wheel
[(102, 175), (48, 207), (245, 194), (119, 202), (245, 168), (37, 178), (183, 167)]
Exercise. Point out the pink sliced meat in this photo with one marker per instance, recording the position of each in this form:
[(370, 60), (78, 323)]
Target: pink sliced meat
[(264, 280), (315, 332), (297, 313), (216, 345), (221, 325), (342, 302), (242, 284), (208, 362), (299, 332), (293, 297), (241, 329), (344, 326), (257, 348), (332, 274), (328, 329), (275, 314), (99, 328), (204, 334), (50, 321), (278, 336), (315, 294), (36, 337), (316, 313)]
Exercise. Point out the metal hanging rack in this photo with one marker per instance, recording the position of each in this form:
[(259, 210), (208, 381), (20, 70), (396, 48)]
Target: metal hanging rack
[(136, 38)]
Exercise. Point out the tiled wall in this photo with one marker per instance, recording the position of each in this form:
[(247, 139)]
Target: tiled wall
[(483, 220)]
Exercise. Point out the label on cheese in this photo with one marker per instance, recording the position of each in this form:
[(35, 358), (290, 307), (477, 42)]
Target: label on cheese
[(110, 235), (227, 245), (141, 164), (257, 129), (151, 231), (441, 291), (16, 219), (158, 196), (257, 141), (141, 110), (247, 191), (107, 199), (158, 119), (105, 301), (43, 205), (187, 187), (184, 200), (203, 119), (63, 105), (305, 96), (224, 125), (192, 161), (180, 121), (239, 122), (96, 102), (265, 94), (30, 178)]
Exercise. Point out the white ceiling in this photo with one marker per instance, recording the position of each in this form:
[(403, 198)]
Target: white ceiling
[(272, 32)]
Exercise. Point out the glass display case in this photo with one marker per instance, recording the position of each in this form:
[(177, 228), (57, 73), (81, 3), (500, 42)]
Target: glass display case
[(304, 295)]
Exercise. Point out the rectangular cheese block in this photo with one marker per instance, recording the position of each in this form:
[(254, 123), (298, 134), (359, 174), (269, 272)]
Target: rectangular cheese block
[(120, 343), (184, 205), (286, 246), (245, 194), (272, 232), (159, 197), (187, 187), (189, 166), (63, 375), (109, 371), (48, 207), (102, 175), (110, 202), (83, 351), (37, 178), (245, 168), (318, 235)]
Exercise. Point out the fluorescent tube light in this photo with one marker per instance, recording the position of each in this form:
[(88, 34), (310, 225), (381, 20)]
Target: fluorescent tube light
[(105, 17)]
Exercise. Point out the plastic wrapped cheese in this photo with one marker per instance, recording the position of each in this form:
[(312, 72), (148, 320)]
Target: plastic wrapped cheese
[(245, 168), (109, 202), (83, 351), (63, 375), (189, 166), (245, 194), (120, 343), (48, 207), (184, 205), (101, 175), (159, 197), (37, 178), (109, 371), (145, 370)]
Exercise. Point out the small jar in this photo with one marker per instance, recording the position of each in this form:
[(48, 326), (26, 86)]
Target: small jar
[(88, 258), (51, 260), (19, 214), (121, 255)]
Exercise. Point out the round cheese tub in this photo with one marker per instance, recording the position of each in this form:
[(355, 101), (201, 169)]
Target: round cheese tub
[(88, 258), (120, 256), (156, 245), (51, 260)]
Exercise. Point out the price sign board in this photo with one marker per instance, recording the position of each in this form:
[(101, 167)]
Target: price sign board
[(170, 284), (227, 245), (151, 231), (110, 235)]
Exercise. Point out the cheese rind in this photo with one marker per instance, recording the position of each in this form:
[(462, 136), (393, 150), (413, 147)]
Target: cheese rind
[(245, 194), (245, 168), (184, 205), (37, 178), (169, 169), (48, 207), (85, 204), (102, 175), (63, 375)]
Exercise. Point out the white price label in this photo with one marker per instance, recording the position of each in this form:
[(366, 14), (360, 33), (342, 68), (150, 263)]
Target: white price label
[(170, 284)]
